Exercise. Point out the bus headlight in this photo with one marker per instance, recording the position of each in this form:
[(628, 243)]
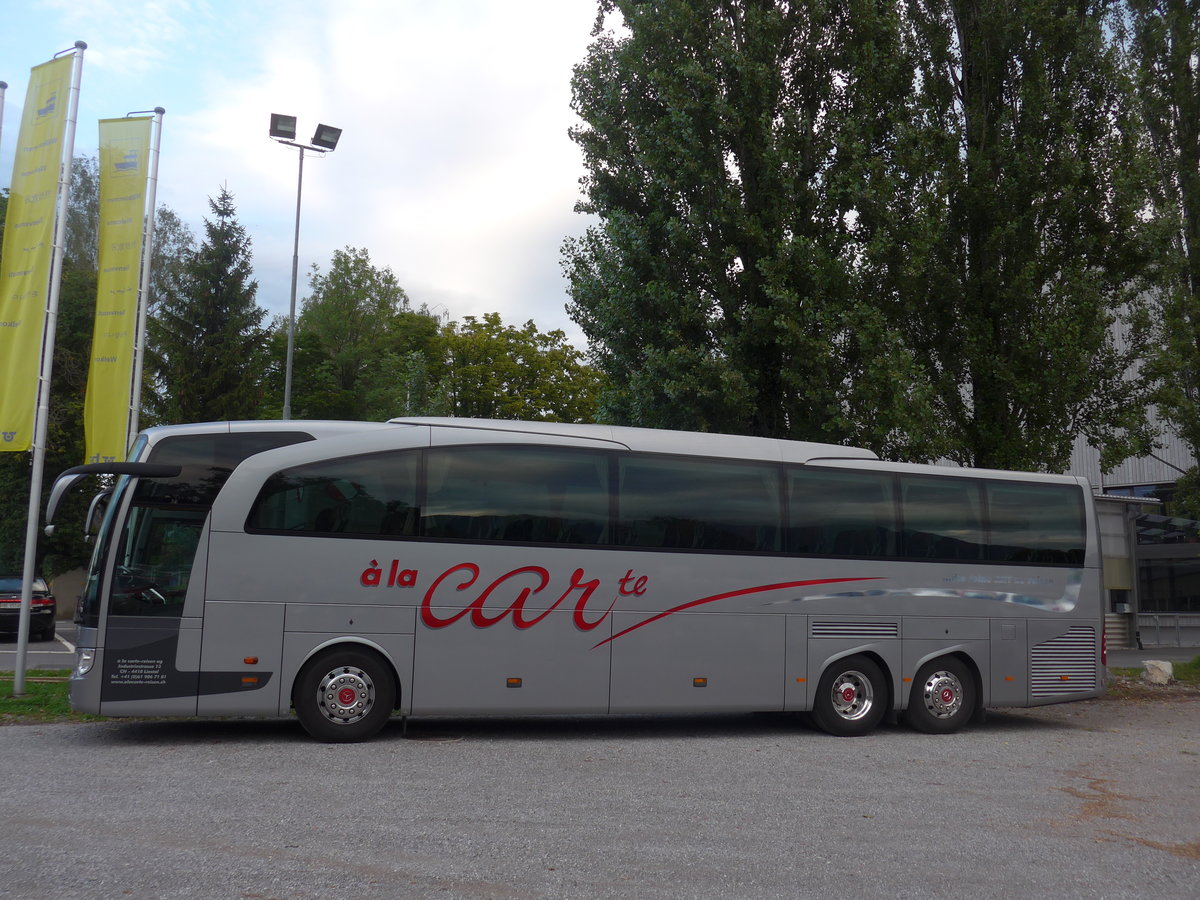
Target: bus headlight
[(84, 657)]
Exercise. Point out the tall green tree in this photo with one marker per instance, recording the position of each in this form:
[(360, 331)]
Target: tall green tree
[(1020, 229), (729, 147), (83, 213), (1162, 38), (206, 345), (356, 340), (495, 371)]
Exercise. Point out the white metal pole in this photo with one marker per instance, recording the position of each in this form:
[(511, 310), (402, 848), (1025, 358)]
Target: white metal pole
[(3, 88), (291, 344), (139, 350), (42, 414)]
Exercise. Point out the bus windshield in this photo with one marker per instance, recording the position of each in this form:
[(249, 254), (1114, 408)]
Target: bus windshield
[(162, 527), (87, 612)]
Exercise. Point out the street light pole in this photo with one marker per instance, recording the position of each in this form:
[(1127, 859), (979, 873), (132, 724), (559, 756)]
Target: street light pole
[(291, 343), (325, 139)]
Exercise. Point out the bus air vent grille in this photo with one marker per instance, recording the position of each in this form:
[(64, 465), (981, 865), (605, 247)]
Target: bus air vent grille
[(855, 630), (1065, 664)]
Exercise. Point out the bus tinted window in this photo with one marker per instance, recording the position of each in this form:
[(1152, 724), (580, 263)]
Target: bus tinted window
[(698, 504), (841, 513), (207, 460), (521, 494), (156, 559), (362, 495), (1037, 523), (943, 518)]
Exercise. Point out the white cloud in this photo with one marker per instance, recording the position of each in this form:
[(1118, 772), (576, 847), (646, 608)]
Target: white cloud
[(455, 168)]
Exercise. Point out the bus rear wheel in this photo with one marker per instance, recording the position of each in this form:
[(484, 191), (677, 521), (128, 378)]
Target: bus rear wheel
[(344, 695), (851, 697), (943, 697)]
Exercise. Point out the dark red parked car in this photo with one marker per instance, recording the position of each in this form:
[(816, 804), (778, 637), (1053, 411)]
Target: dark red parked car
[(41, 615)]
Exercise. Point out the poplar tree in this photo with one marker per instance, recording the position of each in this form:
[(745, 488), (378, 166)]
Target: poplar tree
[(1020, 225), (1163, 41), (735, 150), (206, 344), (917, 227)]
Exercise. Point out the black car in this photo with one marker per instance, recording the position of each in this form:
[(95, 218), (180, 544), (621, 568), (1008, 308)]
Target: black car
[(42, 613)]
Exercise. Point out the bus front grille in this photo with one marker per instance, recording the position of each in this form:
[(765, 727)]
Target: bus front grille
[(1066, 664)]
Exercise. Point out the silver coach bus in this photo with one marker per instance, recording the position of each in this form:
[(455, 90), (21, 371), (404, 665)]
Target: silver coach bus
[(427, 567)]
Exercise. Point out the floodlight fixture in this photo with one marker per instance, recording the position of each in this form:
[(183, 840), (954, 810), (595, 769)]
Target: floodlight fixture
[(283, 127), (326, 137)]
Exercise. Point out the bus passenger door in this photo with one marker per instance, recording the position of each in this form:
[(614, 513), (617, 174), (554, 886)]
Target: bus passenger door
[(150, 648)]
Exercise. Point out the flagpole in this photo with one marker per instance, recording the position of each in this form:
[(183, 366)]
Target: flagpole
[(3, 88), (42, 414), (139, 352)]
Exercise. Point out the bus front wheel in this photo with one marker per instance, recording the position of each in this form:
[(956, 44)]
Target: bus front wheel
[(851, 697), (943, 697), (344, 695)]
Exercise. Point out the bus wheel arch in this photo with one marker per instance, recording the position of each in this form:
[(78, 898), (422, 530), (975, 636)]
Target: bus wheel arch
[(853, 695), (945, 695), (345, 692)]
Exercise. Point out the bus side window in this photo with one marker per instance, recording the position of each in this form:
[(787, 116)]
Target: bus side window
[(1035, 523), (834, 513), (943, 518), (691, 504), (517, 494), (367, 495)]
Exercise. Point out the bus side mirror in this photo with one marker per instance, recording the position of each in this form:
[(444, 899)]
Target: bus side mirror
[(95, 514)]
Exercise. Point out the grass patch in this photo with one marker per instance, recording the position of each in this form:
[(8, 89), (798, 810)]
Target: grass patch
[(44, 700), (1188, 672), (1185, 672), (1127, 683)]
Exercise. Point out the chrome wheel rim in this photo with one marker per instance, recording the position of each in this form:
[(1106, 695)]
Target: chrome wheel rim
[(345, 695), (852, 695), (942, 693)]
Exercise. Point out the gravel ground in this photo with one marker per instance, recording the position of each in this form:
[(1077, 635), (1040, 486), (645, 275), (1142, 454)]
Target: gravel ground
[(1090, 799)]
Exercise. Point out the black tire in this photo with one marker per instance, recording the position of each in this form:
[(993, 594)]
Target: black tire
[(852, 697), (943, 696), (344, 695), (46, 634)]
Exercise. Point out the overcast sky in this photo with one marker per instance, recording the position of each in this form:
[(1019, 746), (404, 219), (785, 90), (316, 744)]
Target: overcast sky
[(454, 169)]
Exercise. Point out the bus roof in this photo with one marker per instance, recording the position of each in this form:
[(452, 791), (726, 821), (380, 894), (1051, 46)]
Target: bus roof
[(659, 440), (316, 427)]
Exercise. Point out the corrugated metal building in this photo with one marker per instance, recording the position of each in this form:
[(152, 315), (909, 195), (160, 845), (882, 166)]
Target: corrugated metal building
[(1152, 561)]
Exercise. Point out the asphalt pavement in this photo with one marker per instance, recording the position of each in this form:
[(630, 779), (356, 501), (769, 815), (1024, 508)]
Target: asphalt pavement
[(56, 654), (1095, 799)]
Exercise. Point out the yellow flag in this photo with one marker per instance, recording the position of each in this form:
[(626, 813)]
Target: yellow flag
[(124, 152), (28, 248)]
